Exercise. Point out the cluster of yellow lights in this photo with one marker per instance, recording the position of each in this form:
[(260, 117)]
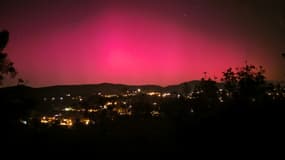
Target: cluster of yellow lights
[(77, 98), (122, 111), (69, 109), (129, 94), (93, 110), (110, 95), (66, 122), (154, 94), (81, 110), (46, 120), (166, 94)]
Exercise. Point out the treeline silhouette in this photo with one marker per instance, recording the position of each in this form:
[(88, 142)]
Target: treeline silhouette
[(6, 65), (246, 111)]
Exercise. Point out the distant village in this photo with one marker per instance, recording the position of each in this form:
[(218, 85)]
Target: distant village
[(71, 111)]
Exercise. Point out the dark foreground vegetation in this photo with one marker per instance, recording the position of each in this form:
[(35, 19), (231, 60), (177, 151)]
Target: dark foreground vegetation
[(247, 113)]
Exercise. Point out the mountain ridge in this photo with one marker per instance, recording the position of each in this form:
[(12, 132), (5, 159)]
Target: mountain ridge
[(89, 89)]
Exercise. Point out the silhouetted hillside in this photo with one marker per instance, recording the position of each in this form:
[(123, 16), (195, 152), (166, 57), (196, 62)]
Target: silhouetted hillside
[(84, 90)]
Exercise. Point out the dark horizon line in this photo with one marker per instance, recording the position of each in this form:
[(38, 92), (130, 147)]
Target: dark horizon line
[(110, 83), (133, 85)]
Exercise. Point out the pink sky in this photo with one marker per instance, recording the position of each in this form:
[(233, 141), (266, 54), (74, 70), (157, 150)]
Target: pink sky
[(127, 46)]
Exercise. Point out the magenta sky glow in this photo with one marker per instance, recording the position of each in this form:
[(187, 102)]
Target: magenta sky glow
[(130, 46)]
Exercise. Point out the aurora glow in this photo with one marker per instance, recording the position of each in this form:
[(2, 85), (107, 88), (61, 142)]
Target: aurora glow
[(163, 43)]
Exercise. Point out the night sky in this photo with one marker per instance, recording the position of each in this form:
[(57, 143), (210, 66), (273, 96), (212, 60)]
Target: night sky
[(160, 42)]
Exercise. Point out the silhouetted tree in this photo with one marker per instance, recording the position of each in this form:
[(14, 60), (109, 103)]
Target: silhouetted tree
[(6, 66), (4, 37), (230, 81), (15, 102), (247, 83)]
